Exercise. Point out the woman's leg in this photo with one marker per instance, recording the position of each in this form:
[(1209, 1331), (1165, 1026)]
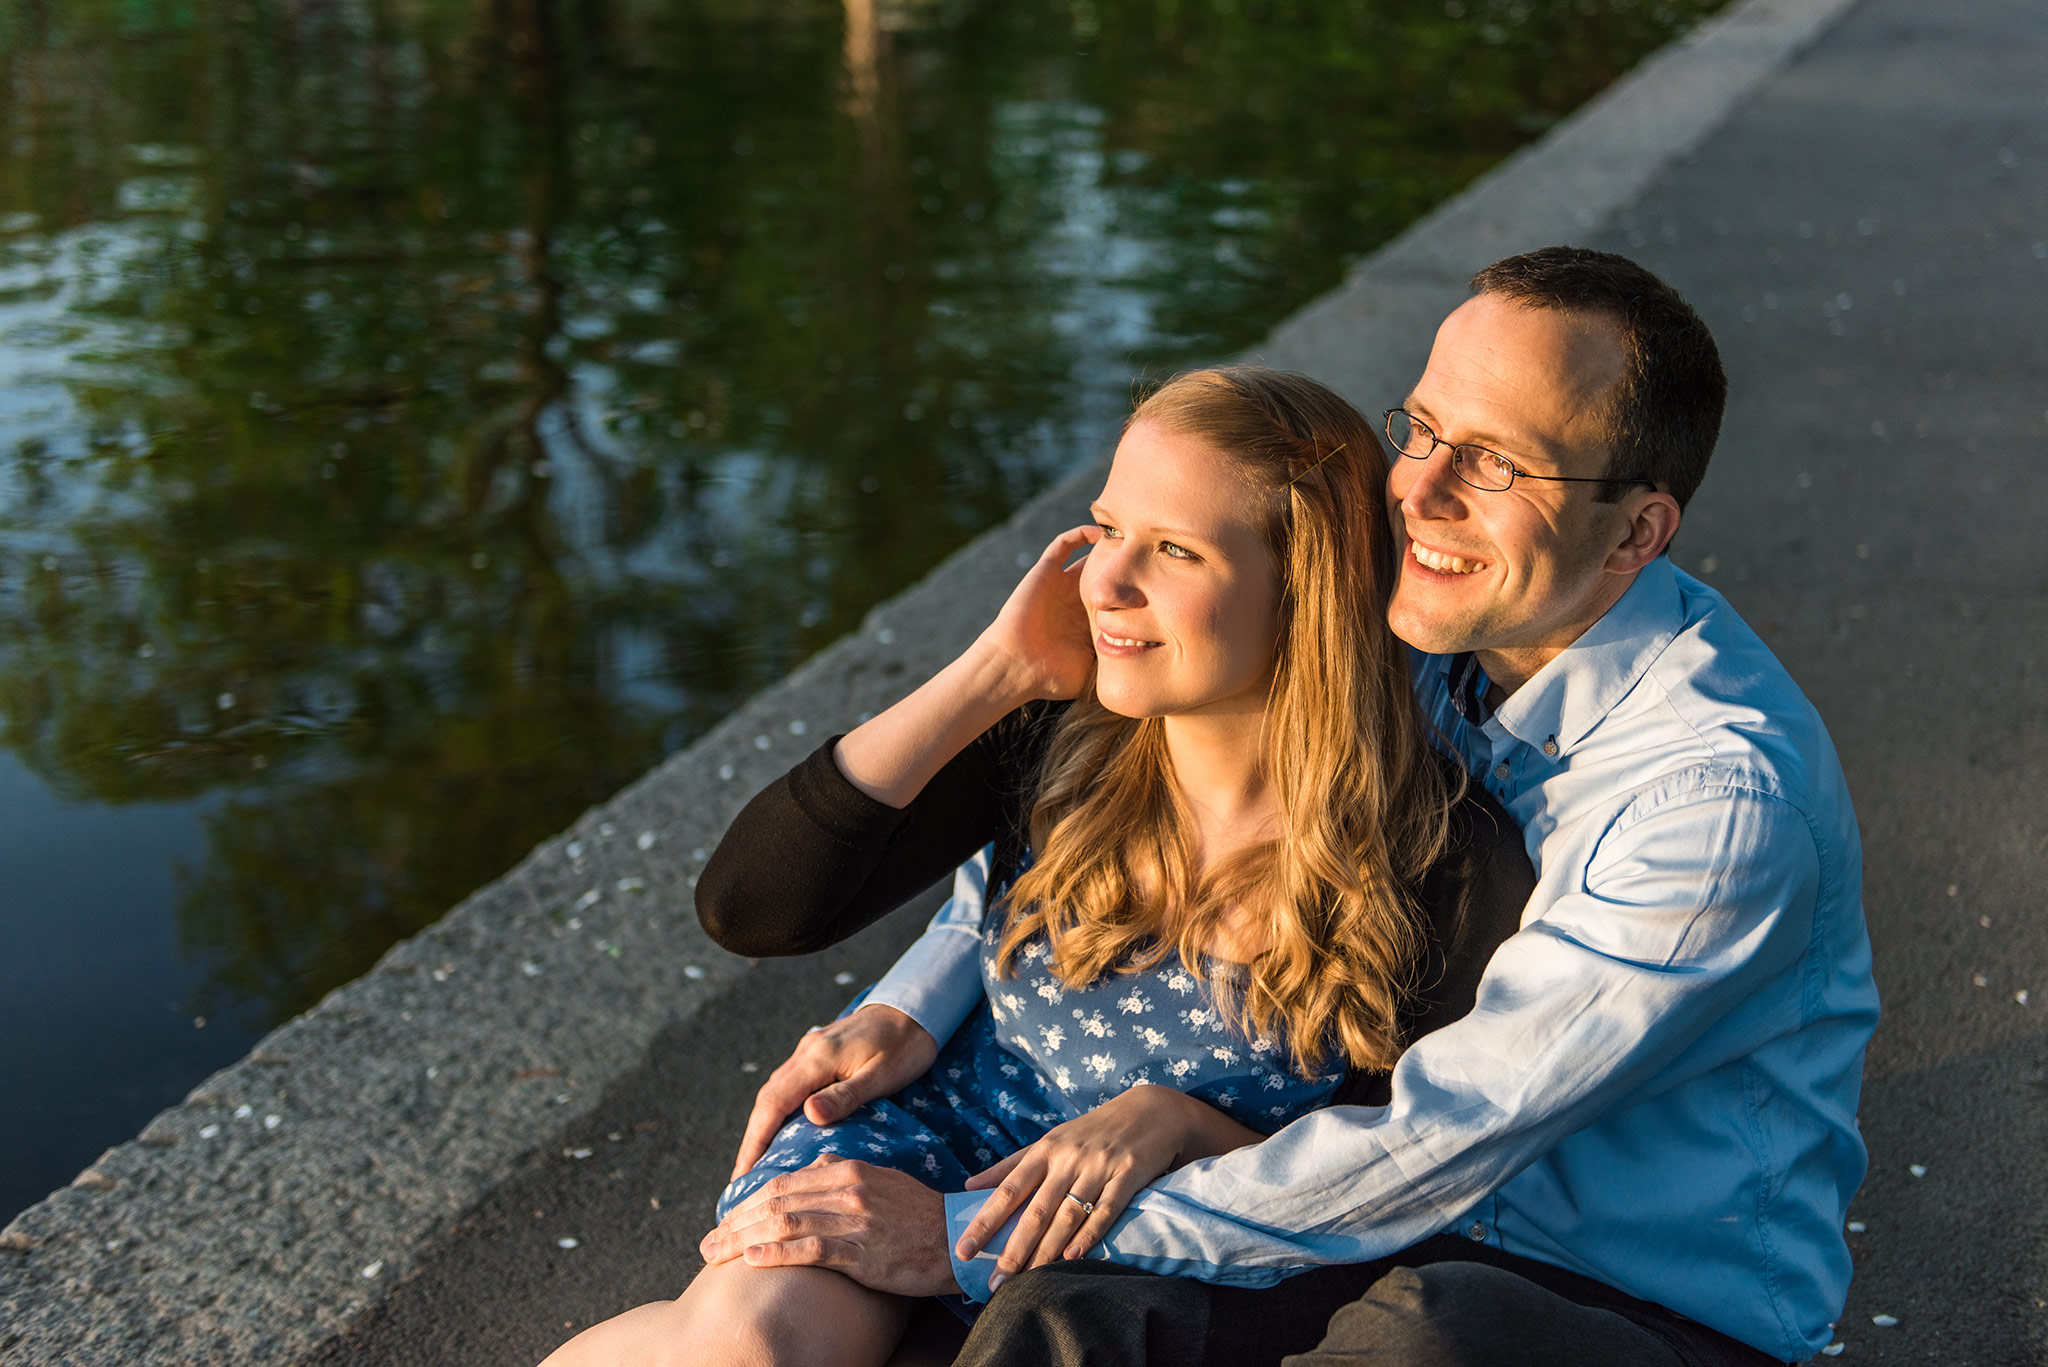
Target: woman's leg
[(734, 1315)]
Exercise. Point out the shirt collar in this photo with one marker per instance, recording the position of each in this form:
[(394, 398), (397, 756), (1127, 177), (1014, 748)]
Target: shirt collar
[(1569, 696)]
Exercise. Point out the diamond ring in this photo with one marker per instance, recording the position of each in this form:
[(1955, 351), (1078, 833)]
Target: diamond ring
[(1087, 1207)]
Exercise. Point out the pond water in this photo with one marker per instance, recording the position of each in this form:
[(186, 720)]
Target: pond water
[(417, 417)]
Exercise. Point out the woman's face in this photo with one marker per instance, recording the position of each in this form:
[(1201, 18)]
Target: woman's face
[(1182, 594)]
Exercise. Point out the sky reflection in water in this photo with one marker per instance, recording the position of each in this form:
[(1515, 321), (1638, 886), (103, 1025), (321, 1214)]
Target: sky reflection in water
[(415, 420)]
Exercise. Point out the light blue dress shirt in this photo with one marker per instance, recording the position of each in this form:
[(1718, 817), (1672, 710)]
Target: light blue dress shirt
[(1657, 1086)]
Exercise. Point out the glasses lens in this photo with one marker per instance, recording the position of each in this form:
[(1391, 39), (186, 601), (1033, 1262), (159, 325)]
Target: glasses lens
[(1482, 469), (1410, 437)]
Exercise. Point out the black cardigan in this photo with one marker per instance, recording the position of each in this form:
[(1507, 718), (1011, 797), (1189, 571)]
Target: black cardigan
[(812, 859)]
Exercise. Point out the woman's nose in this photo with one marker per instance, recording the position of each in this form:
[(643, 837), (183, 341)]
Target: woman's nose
[(1108, 583)]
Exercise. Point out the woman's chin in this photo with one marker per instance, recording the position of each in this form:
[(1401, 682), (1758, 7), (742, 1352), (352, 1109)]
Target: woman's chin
[(1137, 704)]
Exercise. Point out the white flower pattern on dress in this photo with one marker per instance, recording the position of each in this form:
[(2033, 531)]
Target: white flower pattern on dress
[(1000, 1083)]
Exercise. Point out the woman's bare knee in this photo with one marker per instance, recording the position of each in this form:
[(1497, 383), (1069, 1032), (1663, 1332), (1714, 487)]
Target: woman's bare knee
[(734, 1315)]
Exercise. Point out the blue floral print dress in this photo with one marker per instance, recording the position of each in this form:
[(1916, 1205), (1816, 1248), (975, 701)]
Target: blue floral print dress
[(1037, 1053)]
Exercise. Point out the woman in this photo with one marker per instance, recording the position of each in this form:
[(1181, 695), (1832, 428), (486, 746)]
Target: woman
[(1229, 867)]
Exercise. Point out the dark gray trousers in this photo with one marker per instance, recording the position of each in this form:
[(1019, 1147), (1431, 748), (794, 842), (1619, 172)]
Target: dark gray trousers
[(1444, 1303)]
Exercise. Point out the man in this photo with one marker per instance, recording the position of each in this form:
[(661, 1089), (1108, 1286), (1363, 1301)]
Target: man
[(1639, 1145)]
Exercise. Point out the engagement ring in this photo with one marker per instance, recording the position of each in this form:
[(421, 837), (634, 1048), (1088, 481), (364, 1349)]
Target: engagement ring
[(1087, 1207)]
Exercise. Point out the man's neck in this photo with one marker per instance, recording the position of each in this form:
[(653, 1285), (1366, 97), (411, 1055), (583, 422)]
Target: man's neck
[(1509, 667)]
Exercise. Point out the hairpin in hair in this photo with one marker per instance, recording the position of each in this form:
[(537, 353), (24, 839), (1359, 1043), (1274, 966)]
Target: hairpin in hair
[(1319, 460)]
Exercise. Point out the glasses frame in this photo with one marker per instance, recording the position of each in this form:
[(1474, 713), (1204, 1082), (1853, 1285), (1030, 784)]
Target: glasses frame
[(1458, 463)]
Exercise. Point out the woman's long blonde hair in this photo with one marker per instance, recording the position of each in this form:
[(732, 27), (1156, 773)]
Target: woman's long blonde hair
[(1364, 810)]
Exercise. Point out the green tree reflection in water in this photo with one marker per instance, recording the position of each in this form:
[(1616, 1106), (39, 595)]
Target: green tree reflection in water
[(417, 416)]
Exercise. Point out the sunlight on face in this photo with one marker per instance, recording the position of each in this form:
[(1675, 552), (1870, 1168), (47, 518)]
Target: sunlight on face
[(1182, 594), (1519, 568)]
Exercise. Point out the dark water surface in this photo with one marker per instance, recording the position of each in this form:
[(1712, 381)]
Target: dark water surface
[(417, 417)]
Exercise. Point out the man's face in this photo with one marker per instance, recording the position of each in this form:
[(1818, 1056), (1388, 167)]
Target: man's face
[(1520, 573)]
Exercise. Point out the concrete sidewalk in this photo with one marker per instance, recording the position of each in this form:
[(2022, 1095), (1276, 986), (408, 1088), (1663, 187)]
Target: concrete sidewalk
[(565, 1059)]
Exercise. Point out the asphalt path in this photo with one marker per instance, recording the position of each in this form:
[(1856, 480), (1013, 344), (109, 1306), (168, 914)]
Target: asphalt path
[(1868, 237)]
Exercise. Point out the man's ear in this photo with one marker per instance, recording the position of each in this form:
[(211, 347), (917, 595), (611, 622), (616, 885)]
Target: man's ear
[(1652, 521)]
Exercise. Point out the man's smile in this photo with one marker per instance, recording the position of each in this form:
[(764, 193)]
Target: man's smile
[(1442, 562)]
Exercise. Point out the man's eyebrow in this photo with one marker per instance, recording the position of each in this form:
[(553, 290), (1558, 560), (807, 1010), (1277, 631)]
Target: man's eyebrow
[(1518, 448)]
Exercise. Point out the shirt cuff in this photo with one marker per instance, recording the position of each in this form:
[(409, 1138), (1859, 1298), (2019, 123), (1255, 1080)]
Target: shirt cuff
[(973, 1273), (937, 982)]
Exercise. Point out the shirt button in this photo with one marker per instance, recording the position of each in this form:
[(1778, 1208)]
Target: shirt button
[(1477, 1233), (1550, 747), (1500, 771)]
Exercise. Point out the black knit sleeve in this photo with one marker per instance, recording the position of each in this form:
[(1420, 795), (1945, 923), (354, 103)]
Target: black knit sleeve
[(1472, 900), (812, 859)]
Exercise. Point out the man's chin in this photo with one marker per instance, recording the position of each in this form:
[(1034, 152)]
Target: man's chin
[(1432, 633)]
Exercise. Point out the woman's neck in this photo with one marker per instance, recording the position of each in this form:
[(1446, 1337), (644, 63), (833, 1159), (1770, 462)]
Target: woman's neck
[(1219, 767)]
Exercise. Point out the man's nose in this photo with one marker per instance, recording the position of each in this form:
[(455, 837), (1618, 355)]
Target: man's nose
[(1427, 488)]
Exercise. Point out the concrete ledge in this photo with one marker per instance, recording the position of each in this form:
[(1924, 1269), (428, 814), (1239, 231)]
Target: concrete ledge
[(272, 1208)]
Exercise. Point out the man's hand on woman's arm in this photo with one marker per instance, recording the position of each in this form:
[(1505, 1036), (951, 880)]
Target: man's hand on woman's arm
[(836, 1070), (1103, 1158)]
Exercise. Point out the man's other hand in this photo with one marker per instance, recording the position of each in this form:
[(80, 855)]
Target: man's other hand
[(883, 1228), (835, 1071)]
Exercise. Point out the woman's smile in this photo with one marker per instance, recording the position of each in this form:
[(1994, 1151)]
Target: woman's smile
[(1122, 647)]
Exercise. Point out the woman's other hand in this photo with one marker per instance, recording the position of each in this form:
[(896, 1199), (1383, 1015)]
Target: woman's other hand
[(1041, 639), (835, 1070), (1072, 1184)]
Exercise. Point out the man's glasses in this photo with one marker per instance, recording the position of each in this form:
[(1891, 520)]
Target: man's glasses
[(1477, 466)]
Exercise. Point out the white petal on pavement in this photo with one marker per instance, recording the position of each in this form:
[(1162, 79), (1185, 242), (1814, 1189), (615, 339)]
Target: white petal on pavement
[(1917, 1169), (567, 1243), (1833, 1350), (374, 1268), (1884, 1321)]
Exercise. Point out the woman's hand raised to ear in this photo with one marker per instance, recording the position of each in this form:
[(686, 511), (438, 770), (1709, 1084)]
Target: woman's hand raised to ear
[(1039, 646), (1041, 637)]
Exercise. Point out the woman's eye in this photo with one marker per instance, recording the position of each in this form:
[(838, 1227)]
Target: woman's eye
[(1177, 552), (1107, 531)]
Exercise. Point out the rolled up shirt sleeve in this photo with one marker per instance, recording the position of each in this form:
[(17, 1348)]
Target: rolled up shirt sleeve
[(1680, 948), (937, 981)]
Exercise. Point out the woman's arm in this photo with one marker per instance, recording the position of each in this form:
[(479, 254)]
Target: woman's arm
[(1039, 647), (868, 822)]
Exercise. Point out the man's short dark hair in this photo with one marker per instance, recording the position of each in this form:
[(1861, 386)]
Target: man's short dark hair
[(1665, 412)]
